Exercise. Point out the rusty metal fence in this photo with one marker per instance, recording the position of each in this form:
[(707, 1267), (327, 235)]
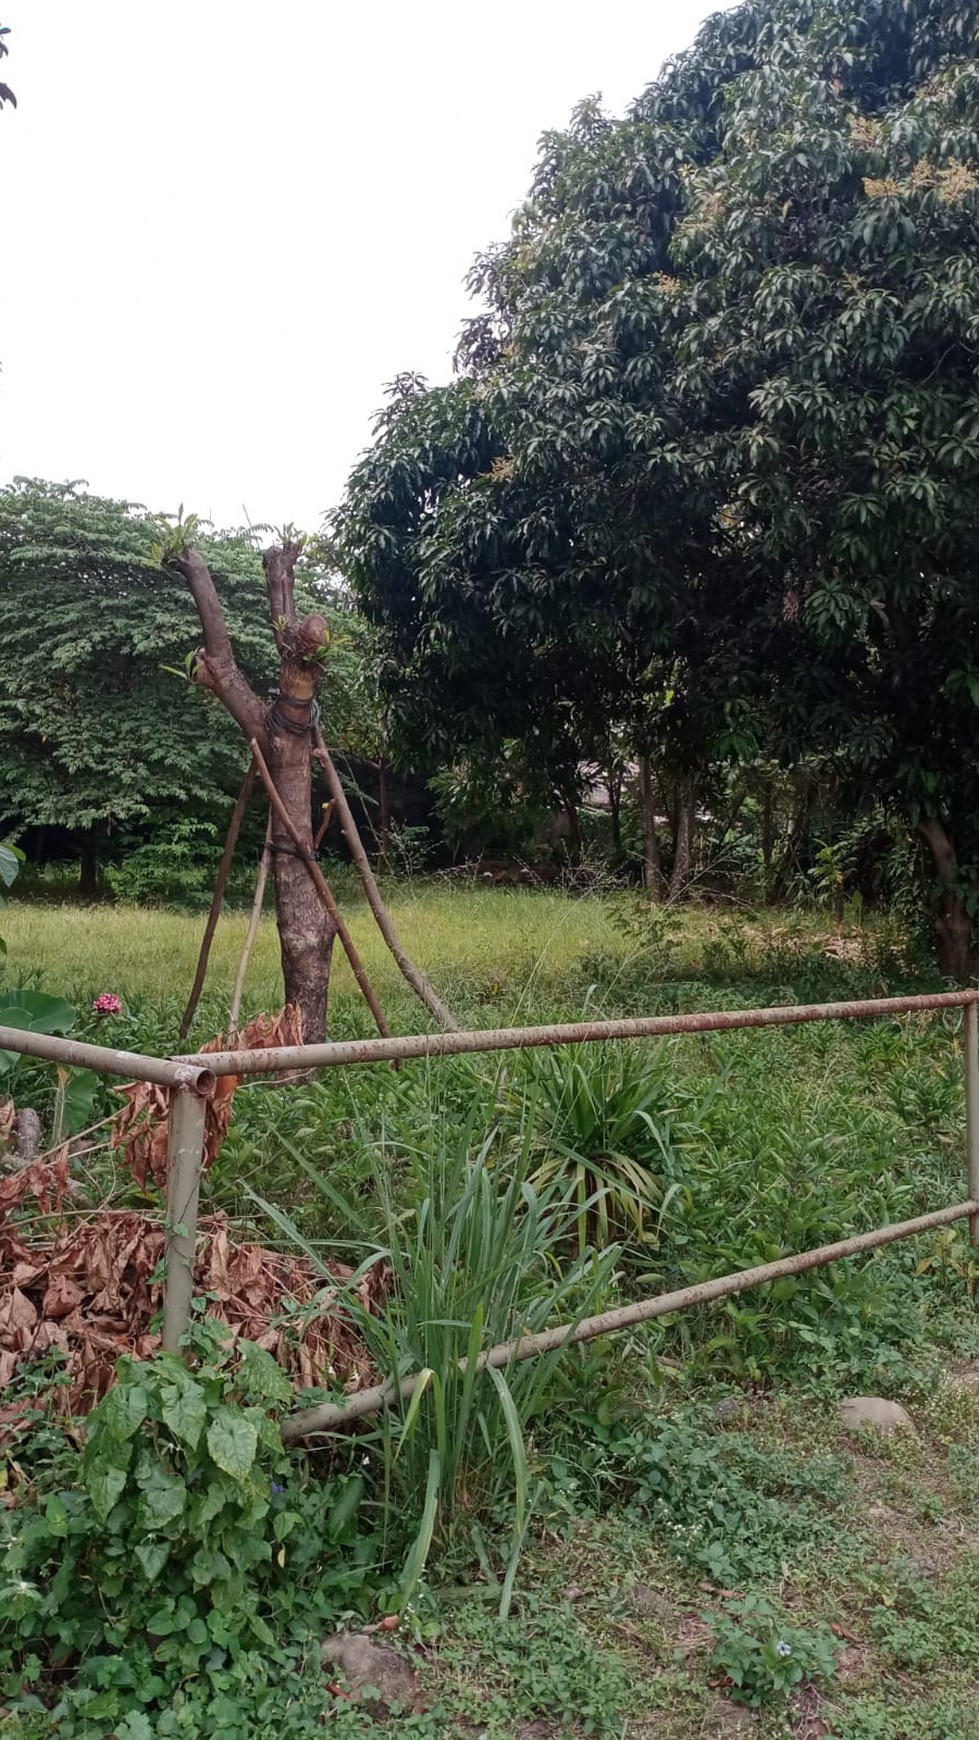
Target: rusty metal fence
[(192, 1081)]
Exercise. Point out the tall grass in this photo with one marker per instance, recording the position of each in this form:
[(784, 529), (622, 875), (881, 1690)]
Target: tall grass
[(477, 1260)]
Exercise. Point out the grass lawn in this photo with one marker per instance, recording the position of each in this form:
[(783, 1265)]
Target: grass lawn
[(698, 1498), (474, 939)]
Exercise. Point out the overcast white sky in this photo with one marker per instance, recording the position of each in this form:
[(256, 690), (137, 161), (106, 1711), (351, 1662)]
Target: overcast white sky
[(226, 225)]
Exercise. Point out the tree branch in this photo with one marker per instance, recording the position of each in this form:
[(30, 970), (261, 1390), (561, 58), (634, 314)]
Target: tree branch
[(217, 666), (280, 578)]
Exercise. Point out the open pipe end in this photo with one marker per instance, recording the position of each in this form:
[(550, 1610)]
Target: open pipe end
[(200, 1081)]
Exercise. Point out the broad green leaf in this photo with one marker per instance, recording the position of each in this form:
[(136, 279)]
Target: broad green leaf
[(163, 1620), (80, 1094), (152, 1556), (123, 1410), (48, 1014), (184, 1411), (163, 1498), (11, 859), (260, 1375), (105, 1486), (232, 1441), (56, 1515), (21, 1019)]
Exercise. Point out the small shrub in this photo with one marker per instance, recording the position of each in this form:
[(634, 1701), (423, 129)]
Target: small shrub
[(474, 1264), (762, 1658)]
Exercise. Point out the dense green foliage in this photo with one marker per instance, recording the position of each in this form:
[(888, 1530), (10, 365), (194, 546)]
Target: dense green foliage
[(709, 471), (6, 94), (101, 735), (182, 1558)]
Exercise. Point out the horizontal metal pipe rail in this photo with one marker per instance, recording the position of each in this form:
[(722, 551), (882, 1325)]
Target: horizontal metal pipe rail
[(194, 1079), (166, 1072), (337, 1416), (348, 1051)]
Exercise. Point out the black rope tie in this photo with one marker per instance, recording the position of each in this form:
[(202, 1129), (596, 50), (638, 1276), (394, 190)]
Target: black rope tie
[(310, 707)]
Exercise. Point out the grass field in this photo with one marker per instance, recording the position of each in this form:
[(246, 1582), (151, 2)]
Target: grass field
[(468, 937), (698, 1499)]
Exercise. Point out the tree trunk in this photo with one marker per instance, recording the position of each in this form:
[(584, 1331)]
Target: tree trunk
[(777, 884), (683, 839), (767, 832), (957, 955), (306, 930), (384, 812), (613, 777), (570, 803), (88, 867), (283, 733), (652, 869)]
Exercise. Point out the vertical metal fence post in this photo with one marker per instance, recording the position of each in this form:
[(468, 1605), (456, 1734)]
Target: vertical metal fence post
[(971, 1037), (188, 1118)]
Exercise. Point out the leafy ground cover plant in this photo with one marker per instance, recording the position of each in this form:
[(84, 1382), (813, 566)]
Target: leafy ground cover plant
[(762, 1657), (180, 1561)]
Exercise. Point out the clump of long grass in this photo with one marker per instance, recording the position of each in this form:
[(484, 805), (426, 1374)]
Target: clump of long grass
[(606, 1126), (478, 1260)]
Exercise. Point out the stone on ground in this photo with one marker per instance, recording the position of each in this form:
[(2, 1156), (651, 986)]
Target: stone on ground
[(875, 1411), (365, 1665)]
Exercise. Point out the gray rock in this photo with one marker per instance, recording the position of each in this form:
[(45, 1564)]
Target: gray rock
[(875, 1411), (365, 1665), (651, 1603), (730, 1408)]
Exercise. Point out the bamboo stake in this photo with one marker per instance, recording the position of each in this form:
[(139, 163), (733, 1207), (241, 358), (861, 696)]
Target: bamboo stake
[(252, 932), (217, 898), (325, 893), (338, 1052), (415, 977), (324, 824)]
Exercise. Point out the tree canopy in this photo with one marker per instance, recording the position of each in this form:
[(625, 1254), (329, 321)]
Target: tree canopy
[(97, 731), (710, 466)]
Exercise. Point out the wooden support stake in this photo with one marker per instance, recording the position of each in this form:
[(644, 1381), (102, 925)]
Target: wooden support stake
[(252, 932), (324, 824), (325, 893), (217, 898), (415, 977)]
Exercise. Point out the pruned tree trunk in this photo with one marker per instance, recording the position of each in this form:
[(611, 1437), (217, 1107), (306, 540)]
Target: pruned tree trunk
[(306, 931), (957, 955), (284, 734), (652, 869), (683, 839)]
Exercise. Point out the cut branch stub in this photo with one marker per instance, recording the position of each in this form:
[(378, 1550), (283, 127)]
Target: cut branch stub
[(280, 578)]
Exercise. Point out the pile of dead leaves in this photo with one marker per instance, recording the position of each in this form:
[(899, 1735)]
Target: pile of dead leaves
[(89, 1283)]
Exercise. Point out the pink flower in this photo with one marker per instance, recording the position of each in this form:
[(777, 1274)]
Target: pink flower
[(107, 1004)]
